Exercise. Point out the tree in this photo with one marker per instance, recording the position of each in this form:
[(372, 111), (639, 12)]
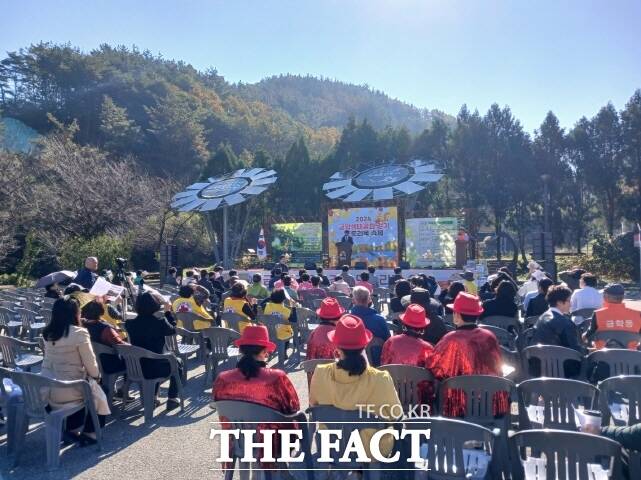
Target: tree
[(631, 143), (598, 157), (120, 132)]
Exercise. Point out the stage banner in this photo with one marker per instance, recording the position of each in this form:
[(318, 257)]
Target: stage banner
[(302, 241), (368, 235), (429, 242)]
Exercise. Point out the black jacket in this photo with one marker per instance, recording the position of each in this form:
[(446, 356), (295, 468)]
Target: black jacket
[(499, 306), (537, 306), (85, 278), (553, 328), (149, 332)]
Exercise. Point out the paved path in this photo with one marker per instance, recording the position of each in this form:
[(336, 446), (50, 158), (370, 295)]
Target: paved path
[(174, 446)]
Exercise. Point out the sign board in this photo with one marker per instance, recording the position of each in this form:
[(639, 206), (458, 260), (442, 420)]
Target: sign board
[(303, 242), (429, 242)]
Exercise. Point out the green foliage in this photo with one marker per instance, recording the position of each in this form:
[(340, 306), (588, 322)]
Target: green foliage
[(120, 132), (37, 260), (615, 258), (106, 247)]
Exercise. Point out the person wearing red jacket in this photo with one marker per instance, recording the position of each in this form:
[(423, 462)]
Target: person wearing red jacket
[(409, 348), (469, 350), (318, 345)]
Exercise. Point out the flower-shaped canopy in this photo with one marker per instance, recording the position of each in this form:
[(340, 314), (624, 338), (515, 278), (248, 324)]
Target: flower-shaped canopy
[(383, 182), (224, 190)]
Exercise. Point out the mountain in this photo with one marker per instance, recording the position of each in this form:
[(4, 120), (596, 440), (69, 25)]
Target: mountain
[(321, 102)]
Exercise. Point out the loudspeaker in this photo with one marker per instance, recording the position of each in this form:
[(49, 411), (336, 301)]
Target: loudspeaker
[(360, 265), (404, 265)]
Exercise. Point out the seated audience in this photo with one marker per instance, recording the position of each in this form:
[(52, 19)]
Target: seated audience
[(257, 290), (555, 327), (280, 284), (290, 291), (398, 275), (409, 348), (275, 306), (348, 277), (68, 356), (364, 282), (340, 286), (238, 302), (435, 330), (318, 344), (374, 321), (448, 296), (304, 283), (149, 331), (315, 291), (572, 277), (350, 382), (87, 275), (587, 296), (469, 350), (205, 283), (535, 275), (189, 277), (373, 279), (103, 333), (401, 289), (538, 305), (52, 291), (186, 302), (323, 277), (276, 274), (614, 315), (469, 283), (503, 304), (170, 278)]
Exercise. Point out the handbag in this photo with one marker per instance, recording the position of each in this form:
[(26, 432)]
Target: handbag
[(99, 397)]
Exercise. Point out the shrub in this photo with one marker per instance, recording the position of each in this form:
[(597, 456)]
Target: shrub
[(106, 247)]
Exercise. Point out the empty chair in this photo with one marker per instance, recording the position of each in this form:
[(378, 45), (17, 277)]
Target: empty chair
[(508, 323), (32, 324), (133, 357), (582, 313), (375, 345), (486, 399), (563, 455), (309, 299), (613, 394), (217, 341), (525, 339), (612, 362), (616, 339), (511, 367), (308, 366), (550, 402), (504, 337), (414, 385), (108, 377), (529, 322), (551, 361), (346, 302), (15, 354), (34, 407), (301, 327), (249, 416), (8, 322), (186, 320), (181, 349), (455, 449)]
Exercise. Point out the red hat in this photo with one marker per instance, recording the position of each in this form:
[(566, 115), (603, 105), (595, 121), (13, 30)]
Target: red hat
[(467, 304), (350, 333), (256, 335), (330, 309), (414, 316)]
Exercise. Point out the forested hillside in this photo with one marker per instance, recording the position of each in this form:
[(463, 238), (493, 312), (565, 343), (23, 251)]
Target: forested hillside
[(320, 102)]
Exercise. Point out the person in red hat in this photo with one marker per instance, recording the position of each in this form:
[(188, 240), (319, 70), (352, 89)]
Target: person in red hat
[(251, 380), (469, 350), (409, 348), (318, 345), (350, 381)]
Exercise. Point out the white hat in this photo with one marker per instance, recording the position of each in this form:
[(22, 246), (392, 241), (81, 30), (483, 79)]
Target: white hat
[(538, 275), (533, 264)]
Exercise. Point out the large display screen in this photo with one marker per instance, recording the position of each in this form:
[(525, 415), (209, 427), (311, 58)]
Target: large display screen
[(429, 242), (367, 235), (303, 242)]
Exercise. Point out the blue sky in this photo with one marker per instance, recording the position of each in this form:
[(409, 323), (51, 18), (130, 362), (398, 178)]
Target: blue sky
[(570, 57)]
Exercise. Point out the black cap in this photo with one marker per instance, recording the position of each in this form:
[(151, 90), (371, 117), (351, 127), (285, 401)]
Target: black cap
[(614, 289)]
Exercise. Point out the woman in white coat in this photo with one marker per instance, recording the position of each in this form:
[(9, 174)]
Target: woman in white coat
[(69, 356)]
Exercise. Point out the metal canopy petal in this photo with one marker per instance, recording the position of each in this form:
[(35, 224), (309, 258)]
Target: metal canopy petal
[(188, 193), (408, 187), (251, 172), (234, 198), (183, 201), (336, 184), (347, 189), (215, 179), (197, 186), (425, 168), (386, 193), (210, 205), (192, 205), (263, 181), (337, 176), (358, 195), (266, 173), (426, 177), (253, 190), (238, 173)]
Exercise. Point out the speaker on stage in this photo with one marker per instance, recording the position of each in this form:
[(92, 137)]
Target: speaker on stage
[(360, 265)]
